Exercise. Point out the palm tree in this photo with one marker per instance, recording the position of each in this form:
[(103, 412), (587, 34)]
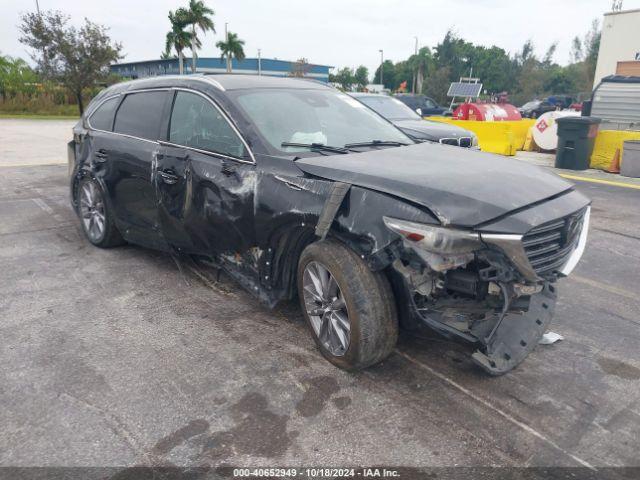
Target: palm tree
[(198, 15), (166, 55), (231, 48), (178, 37)]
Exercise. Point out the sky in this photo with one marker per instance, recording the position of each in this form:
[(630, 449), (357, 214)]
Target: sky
[(330, 32)]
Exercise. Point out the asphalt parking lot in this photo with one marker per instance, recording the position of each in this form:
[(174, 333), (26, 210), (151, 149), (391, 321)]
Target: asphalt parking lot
[(129, 357)]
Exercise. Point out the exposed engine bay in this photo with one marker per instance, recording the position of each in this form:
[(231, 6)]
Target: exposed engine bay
[(480, 297)]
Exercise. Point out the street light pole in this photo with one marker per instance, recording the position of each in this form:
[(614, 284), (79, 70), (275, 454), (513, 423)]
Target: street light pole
[(226, 39), (381, 67)]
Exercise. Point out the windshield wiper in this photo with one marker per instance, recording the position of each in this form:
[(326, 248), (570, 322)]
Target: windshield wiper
[(376, 143), (316, 146)]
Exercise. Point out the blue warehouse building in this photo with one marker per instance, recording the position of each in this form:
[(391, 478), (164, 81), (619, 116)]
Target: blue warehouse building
[(253, 66)]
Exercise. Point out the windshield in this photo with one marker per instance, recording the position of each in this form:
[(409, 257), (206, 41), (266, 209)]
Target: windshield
[(390, 108), (324, 117)]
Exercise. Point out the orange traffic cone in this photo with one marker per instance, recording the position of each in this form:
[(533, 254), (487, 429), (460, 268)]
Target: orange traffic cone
[(615, 163)]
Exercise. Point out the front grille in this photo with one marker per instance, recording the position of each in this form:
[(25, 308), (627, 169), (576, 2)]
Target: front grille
[(549, 245), (465, 142)]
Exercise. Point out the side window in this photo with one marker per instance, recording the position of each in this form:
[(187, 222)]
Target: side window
[(140, 114), (102, 117), (196, 123)]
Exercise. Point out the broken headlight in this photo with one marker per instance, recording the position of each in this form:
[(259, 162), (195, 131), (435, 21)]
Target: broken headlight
[(436, 239)]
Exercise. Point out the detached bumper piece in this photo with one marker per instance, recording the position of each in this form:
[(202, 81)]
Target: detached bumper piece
[(518, 334)]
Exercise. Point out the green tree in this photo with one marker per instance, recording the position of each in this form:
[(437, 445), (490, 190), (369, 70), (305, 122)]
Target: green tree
[(198, 16), (576, 55), (592, 47), (166, 55), (345, 78), (77, 58), (422, 65), (462, 59), (16, 76), (437, 85), (233, 47), (178, 38), (361, 77), (388, 75), (560, 80), (402, 72)]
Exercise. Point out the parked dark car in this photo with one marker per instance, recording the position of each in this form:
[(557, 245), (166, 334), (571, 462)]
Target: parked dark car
[(421, 104), (413, 125), (535, 108), (294, 188), (561, 101)]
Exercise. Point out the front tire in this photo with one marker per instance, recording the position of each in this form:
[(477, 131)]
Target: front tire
[(96, 218), (350, 310)]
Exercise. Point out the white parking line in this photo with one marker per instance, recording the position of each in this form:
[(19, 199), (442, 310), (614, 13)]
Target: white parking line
[(42, 205), (500, 412)]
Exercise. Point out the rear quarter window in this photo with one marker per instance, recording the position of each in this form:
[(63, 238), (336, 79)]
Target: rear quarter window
[(140, 114), (102, 117)]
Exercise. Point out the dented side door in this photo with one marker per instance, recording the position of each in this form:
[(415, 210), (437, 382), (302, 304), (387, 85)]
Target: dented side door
[(205, 202), (205, 195)]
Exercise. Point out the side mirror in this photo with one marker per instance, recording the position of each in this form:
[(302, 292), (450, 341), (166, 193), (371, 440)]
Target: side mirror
[(419, 111)]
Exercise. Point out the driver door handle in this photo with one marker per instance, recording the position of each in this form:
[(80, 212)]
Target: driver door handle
[(168, 176)]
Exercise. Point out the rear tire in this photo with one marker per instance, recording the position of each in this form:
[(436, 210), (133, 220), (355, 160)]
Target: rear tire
[(95, 216), (365, 297)]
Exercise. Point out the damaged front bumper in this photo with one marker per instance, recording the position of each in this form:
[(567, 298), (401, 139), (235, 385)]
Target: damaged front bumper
[(502, 297), (517, 333)]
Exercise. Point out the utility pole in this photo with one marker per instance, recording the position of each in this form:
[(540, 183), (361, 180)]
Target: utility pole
[(45, 62), (259, 63), (381, 67), (415, 73)]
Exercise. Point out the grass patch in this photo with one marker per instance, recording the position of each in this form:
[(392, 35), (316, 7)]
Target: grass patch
[(35, 116)]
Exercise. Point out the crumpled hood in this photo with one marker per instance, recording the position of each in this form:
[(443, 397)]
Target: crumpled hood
[(460, 186), (432, 130)]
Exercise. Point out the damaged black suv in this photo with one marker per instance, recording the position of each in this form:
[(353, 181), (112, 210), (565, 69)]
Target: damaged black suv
[(294, 188)]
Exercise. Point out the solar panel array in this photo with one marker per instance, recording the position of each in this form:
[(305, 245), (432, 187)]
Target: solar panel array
[(460, 89)]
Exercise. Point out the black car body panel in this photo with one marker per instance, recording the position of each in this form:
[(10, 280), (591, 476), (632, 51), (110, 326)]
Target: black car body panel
[(536, 108), (253, 214), (427, 105), (432, 176)]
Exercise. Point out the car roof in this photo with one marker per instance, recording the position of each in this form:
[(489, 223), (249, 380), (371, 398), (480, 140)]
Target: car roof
[(237, 82), (222, 82), (367, 94)]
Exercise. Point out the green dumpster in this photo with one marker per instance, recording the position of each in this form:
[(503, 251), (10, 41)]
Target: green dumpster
[(576, 136)]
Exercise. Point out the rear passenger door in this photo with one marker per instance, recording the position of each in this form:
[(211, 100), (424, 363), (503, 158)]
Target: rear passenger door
[(131, 157)]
